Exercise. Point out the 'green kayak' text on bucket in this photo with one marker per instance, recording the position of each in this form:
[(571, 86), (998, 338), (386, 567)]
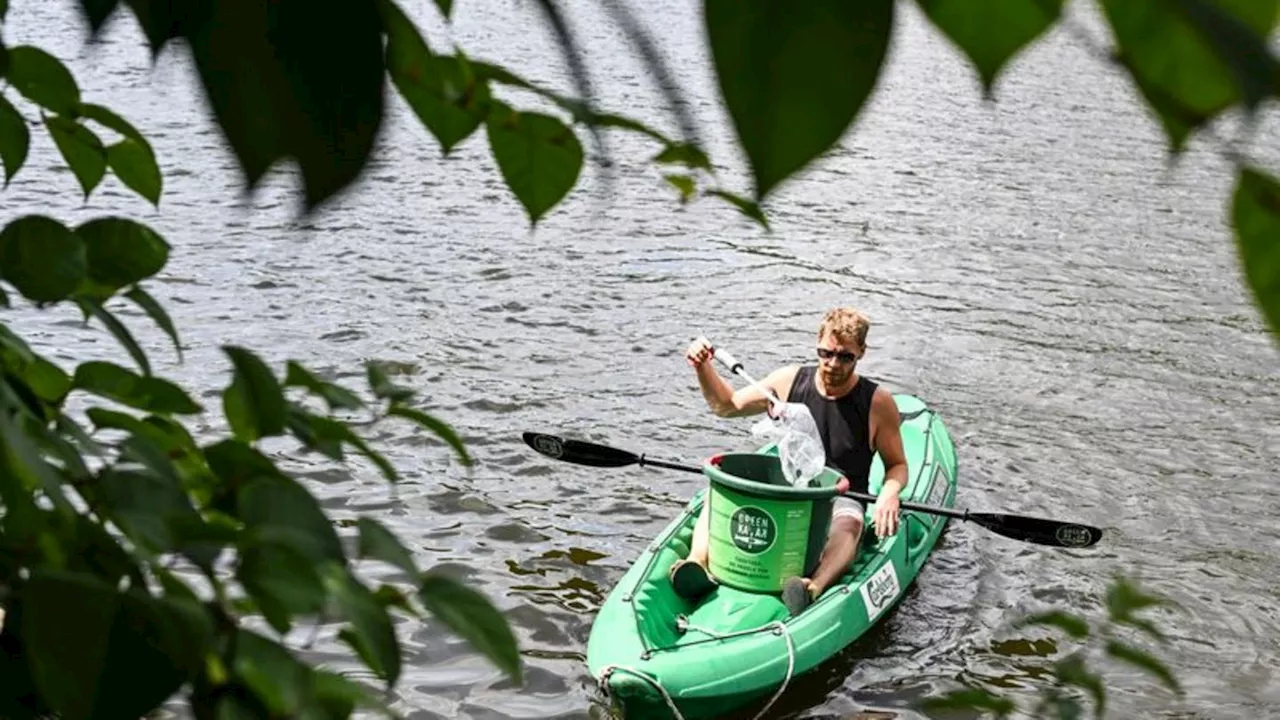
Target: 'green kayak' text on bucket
[(763, 530)]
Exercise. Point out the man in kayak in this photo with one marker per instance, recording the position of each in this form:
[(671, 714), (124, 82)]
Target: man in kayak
[(856, 419)]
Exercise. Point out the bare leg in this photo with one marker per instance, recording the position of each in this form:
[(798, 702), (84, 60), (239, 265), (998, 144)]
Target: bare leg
[(842, 547), (699, 547)]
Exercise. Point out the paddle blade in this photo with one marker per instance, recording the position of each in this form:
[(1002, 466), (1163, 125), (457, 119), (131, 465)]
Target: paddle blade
[(579, 451), (1038, 530)]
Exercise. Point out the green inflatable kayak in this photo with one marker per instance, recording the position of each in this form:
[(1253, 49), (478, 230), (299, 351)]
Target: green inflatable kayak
[(655, 654)]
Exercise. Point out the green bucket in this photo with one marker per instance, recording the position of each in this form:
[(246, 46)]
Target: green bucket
[(763, 530)]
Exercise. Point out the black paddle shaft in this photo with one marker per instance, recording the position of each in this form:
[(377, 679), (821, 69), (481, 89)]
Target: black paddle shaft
[(1042, 531)]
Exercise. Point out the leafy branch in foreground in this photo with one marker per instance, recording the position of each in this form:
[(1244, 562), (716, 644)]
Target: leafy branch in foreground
[(1074, 678), (135, 560)]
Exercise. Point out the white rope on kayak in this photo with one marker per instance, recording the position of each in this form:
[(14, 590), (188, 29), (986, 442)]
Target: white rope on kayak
[(778, 627)]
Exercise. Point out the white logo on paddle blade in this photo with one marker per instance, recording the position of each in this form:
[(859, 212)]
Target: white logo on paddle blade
[(880, 590), (1073, 536), (548, 445)]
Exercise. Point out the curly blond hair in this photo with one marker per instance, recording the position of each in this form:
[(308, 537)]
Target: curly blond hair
[(847, 325)]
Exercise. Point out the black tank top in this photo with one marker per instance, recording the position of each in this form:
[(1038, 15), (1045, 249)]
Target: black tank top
[(844, 424)]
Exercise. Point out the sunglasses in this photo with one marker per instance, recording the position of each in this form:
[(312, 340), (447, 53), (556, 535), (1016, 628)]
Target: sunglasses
[(844, 356)]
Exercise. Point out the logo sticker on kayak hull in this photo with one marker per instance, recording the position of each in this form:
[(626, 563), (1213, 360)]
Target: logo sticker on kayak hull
[(879, 591)]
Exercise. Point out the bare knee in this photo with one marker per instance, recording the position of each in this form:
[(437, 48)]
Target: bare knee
[(845, 525)]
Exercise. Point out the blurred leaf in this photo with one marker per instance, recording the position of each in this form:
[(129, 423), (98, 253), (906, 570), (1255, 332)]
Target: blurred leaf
[(43, 80), (4, 296), (969, 699), (1255, 215), (993, 31), (49, 382), (539, 157), (446, 7), (91, 549), (446, 96), (122, 252), (15, 139), (382, 386), (1141, 660), (97, 12), (280, 575), (146, 505), (136, 167), (280, 504), (279, 679), (82, 150), (682, 154), (327, 435), (474, 618), (389, 596), (42, 258), (152, 394), (25, 471), (438, 427), (97, 309), (1237, 32), (334, 395), (1124, 598), (1176, 68), (1145, 626), (794, 75), (1071, 670), (682, 183), (370, 633), (338, 697), (379, 543), (1070, 624), (259, 392), (156, 312), (158, 20), (130, 651), (746, 207), (278, 88)]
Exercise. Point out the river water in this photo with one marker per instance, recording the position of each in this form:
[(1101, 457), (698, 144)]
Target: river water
[(1035, 269)]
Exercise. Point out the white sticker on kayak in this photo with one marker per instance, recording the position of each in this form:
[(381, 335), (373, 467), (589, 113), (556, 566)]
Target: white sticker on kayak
[(879, 591)]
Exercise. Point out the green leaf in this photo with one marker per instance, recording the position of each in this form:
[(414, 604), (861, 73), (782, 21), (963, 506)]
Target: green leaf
[(1124, 599), (370, 633), (684, 154), (446, 96), (25, 471), (382, 386), (1255, 215), (280, 680), (379, 543), (322, 434), (336, 396), (1071, 670), (969, 699), (1070, 624), (105, 117), (438, 427), (158, 21), (1237, 32), (279, 89), (260, 395), (43, 79), (1141, 660), (136, 167), (280, 504), (338, 697), (146, 505), (682, 183), (49, 382), (130, 651), (280, 575), (794, 75), (149, 393), (122, 252), (540, 158), (82, 150), (97, 12), (157, 313), (4, 298), (993, 31), (474, 618), (118, 329), (42, 258), (15, 139), (1176, 67), (746, 207), (446, 7)]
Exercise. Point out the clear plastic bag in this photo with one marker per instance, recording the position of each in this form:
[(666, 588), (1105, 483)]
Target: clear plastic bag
[(799, 445)]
